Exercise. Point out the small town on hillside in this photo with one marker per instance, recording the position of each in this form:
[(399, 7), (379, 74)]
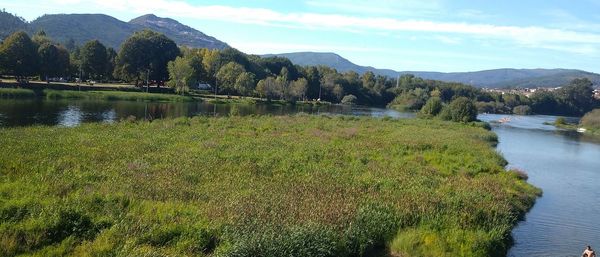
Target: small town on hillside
[(530, 91)]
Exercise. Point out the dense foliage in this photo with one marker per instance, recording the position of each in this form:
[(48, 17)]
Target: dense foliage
[(146, 56), (574, 99), (257, 186)]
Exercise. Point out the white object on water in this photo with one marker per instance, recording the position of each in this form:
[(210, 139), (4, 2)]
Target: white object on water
[(581, 130)]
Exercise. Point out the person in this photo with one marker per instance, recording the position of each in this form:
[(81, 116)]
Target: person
[(588, 252)]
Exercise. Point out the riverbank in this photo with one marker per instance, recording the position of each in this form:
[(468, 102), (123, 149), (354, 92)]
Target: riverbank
[(248, 186)]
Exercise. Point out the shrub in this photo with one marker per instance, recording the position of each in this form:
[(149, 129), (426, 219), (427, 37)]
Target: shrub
[(462, 109), (432, 107), (446, 113), (560, 121), (591, 120)]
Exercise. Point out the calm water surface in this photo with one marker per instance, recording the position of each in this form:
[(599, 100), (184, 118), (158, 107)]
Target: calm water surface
[(566, 166), (74, 112)]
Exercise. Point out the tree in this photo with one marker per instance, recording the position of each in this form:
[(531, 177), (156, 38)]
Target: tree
[(111, 56), (268, 88), (94, 59), (244, 84), (199, 72), (432, 107), (462, 109), (298, 89), (578, 96), (228, 75), (146, 53), (349, 99), (368, 80), (180, 74), (18, 55), (40, 38), (54, 60), (338, 92)]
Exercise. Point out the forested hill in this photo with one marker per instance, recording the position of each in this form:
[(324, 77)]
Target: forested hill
[(10, 23), (110, 31), (488, 78)]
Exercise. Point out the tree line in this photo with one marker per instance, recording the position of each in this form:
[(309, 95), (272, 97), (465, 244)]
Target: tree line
[(151, 56)]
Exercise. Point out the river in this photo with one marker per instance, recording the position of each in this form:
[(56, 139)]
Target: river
[(74, 112), (566, 166)]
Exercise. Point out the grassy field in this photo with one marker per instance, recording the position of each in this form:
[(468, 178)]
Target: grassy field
[(257, 186)]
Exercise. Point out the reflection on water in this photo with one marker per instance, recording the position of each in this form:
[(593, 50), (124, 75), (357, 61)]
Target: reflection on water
[(566, 166), (74, 112)]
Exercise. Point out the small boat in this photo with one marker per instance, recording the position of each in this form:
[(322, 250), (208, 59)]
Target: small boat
[(581, 130)]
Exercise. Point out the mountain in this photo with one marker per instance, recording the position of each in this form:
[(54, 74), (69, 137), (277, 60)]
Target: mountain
[(10, 23), (487, 78), (182, 34), (332, 60), (84, 27), (110, 31)]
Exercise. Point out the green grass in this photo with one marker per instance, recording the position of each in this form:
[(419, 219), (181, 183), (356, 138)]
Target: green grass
[(16, 93), (114, 95), (257, 186)]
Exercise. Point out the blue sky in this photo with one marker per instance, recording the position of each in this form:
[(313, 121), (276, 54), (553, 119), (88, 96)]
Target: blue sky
[(434, 35)]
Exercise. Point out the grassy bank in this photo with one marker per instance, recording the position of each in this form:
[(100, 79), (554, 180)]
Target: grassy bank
[(92, 95), (114, 95), (257, 186), (13, 93)]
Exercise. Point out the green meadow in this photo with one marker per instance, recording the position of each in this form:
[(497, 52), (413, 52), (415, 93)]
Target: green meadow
[(257, 186)]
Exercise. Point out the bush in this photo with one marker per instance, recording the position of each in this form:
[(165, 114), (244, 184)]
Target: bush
[(591, 120), (522, 110), (432, 107), (462, 109), (560, 121), (349, 99)]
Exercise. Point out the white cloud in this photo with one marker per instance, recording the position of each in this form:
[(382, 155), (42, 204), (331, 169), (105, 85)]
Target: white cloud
[(448, 40), (532, 36), (387, 7), (275, 47)]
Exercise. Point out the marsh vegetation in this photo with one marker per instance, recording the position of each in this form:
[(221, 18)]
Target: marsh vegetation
[(257, 186)]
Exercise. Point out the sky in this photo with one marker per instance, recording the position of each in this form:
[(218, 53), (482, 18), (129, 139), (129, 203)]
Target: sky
[(413, 35)]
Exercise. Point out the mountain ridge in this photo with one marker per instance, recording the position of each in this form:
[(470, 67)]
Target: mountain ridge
[(494, 78), (109, 30)]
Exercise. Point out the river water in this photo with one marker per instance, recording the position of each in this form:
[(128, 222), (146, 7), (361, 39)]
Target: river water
[(566, 166), (74, 112)]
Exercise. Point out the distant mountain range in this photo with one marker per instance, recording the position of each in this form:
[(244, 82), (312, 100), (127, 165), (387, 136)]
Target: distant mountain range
[(108, 30), (487, 78), (112, 32)]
